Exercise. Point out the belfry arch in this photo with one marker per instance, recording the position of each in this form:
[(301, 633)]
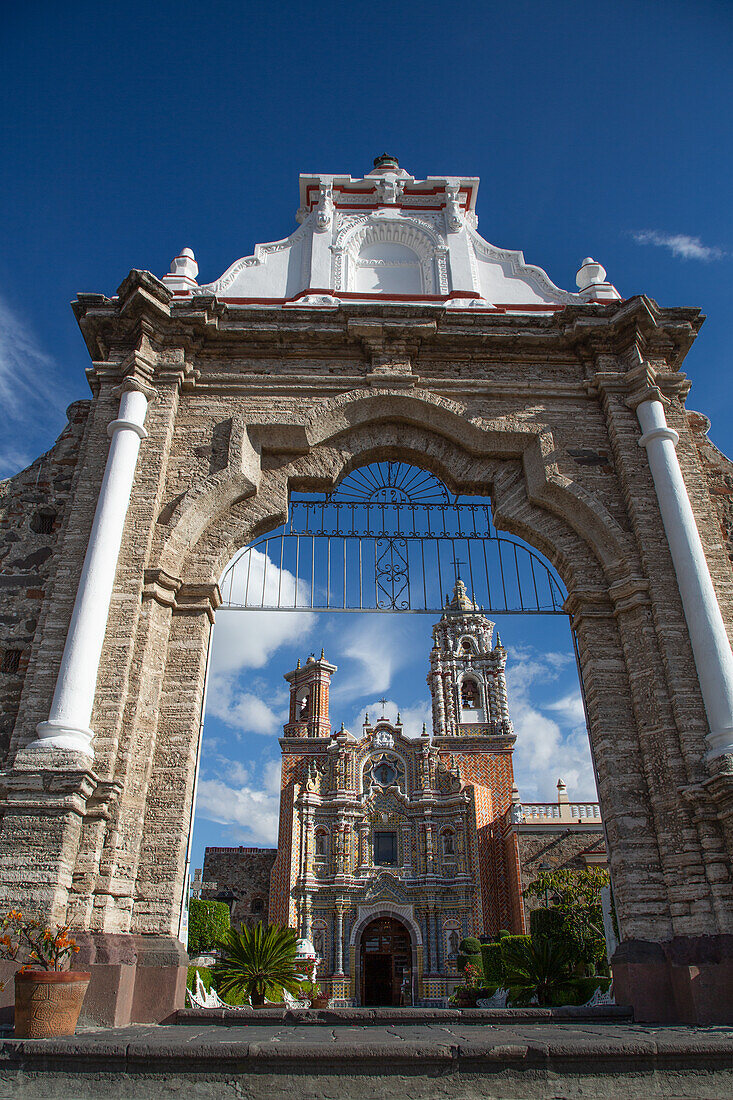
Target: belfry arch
[(212, 403)]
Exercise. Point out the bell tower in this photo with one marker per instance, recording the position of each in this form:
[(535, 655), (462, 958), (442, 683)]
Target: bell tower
[(467, 673), (309, 687)]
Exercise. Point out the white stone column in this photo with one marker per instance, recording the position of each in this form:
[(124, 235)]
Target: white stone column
[(67, 726), (710, 645)]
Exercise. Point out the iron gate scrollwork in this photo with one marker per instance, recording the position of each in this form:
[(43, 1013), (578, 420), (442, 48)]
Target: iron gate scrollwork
[(389, 538)]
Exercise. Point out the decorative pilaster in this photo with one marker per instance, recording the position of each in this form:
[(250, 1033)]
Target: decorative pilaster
[(338, 938), (708, 636), (67, 726)]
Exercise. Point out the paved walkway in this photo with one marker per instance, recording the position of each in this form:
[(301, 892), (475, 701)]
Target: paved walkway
[(446, 1060)]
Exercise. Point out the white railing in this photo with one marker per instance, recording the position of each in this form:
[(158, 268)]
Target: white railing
[(585, 812)]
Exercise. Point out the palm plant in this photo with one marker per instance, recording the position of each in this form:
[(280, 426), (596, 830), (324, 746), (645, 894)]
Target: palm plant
[(257, 962), (540, 967)]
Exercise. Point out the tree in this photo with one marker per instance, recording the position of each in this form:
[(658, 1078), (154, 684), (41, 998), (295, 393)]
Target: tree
[(537, 968), (577, 897), (257, 962), (207, 921)]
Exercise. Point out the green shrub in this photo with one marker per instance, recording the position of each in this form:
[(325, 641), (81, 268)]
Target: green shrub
[(207, 921), (508, 942), (502, 934), (493, 968), (470, 946), (470, 953), (546, 922)]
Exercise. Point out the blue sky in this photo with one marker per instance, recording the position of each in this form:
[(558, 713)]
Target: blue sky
[(129, 132)]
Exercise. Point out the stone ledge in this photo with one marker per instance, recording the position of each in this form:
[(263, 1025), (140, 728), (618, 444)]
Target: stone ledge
[(399, 1017)]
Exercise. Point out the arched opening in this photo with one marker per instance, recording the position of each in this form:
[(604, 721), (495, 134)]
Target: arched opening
[(386, 962), (392, 537)]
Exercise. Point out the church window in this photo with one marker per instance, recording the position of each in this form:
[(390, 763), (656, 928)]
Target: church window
[(385, 849), (469, 695), (467, 646), (321, 844), (303, 707)]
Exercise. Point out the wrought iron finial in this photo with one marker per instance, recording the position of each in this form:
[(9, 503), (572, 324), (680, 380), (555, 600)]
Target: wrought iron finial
[(384, 704)]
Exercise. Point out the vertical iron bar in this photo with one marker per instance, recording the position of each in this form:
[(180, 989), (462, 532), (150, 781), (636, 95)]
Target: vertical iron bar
[(264, 571), (249, 567), (519, 579), (534, 581), (470, 569), (344, 540), (486, 566), (328, 571), (424, 582), (501, 568), (361, 602), (313, 567), (440, 578), (280, 578), (297, 566)]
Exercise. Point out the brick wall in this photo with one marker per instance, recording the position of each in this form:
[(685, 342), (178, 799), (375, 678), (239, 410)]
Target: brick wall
[(32, 508)]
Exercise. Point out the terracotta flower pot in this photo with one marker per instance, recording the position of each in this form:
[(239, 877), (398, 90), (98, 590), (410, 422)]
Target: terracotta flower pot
[(320, 1001), (48, 1002)]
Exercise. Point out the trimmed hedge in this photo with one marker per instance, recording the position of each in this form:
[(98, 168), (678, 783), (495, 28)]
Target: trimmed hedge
[(207, 921), (508, 940), (546, 922), (493, 966)]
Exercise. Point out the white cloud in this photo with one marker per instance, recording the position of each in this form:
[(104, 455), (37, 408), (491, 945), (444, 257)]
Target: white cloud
[(680, 244), (31, 394), (241, 710), (248, 639), (549, 746), (378, 645), (251, 811)]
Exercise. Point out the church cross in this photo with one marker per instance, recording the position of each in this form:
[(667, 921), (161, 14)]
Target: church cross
[(457, 563), (384, 704)]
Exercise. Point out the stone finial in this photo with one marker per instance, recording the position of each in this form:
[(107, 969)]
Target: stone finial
[(366, 718), (424, 730), (298, 664), (183, 272), (591, 282), (562, 792), (386, 162), (323, 653), (399, 720), (311, 659)]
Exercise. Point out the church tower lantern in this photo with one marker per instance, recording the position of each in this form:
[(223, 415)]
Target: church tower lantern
[(467, 677), (309, 687)]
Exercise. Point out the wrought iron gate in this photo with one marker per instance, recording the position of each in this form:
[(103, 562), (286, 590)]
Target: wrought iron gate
[(389, 538)]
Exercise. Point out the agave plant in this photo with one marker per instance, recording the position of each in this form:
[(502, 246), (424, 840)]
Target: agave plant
[(257, 962), (537, 968)]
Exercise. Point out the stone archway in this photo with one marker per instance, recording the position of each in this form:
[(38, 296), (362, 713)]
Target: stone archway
[(101, 839)]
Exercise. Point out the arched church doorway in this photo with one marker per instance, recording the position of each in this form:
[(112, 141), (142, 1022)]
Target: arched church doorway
[(386, 963)]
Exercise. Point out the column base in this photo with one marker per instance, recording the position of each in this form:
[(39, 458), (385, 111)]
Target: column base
[(60, 735), (135, 979), (687, 980)]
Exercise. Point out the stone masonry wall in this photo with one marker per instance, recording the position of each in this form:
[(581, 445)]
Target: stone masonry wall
[(244, 872), (32, 509), (561, 848)]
